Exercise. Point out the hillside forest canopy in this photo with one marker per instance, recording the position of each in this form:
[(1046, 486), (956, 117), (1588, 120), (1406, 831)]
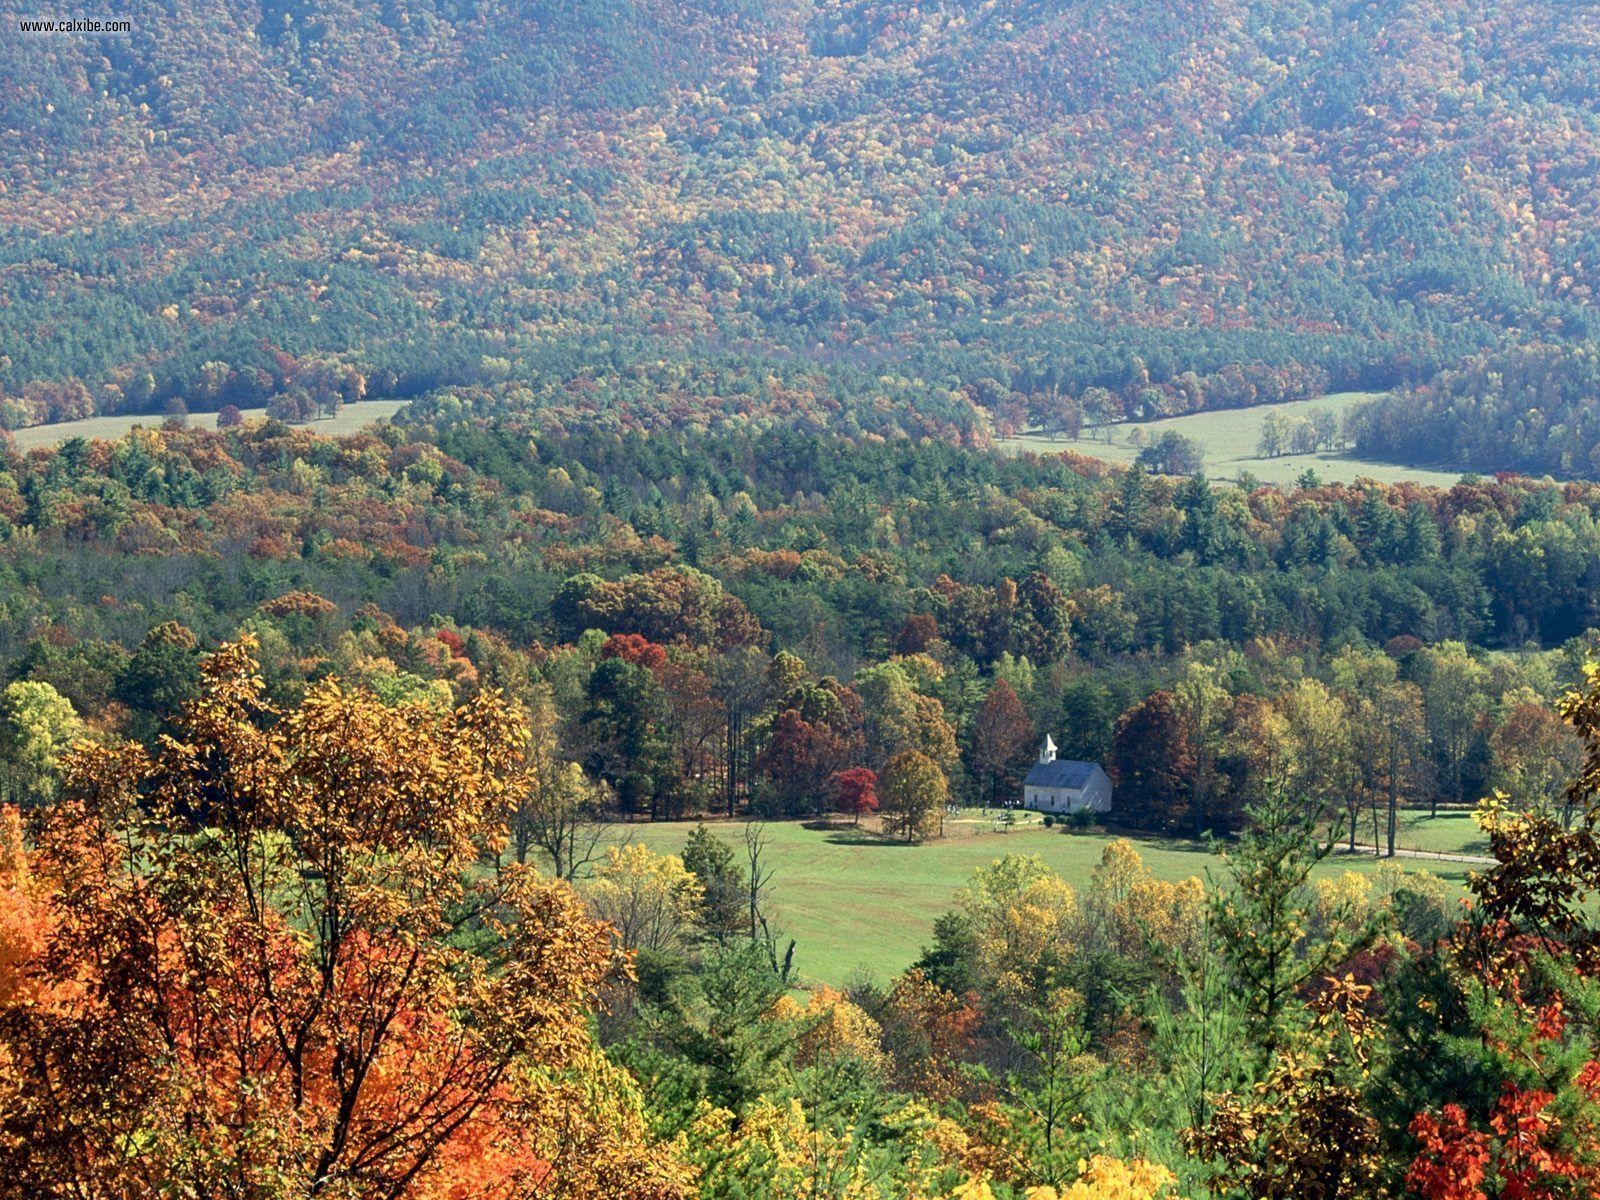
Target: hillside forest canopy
[(955, 218)]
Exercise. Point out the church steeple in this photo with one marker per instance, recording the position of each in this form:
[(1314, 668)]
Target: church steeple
[(1047, 752)]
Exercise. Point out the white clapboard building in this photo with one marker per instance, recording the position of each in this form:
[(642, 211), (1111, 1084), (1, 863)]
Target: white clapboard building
[(1060, 785)]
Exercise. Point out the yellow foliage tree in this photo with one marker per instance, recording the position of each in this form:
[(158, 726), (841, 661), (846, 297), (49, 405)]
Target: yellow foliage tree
[(833, 1028), (1026, 923), (773, 1151), (650, 899), (1113, 1179), (778, 1152), (1129, 911)]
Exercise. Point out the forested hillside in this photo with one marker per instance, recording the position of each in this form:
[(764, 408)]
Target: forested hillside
[(643, 212), (1534, 410), (605, 778)]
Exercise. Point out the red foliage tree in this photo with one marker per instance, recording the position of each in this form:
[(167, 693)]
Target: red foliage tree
[(1533, 1148), (1533, 934), (632, 647), (1152, 764), (916, 634), (856, 791), (1002, 738), (797, 761)]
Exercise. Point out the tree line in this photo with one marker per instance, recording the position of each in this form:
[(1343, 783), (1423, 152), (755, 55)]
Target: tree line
[(735, 622)]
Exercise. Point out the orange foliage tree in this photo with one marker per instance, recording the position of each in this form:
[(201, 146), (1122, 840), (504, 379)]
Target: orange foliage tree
[(275, 957)]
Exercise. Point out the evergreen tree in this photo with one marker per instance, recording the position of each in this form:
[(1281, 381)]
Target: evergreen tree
[(1263, 915)]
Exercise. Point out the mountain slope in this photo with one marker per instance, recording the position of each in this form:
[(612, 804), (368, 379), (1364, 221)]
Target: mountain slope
[(1022, 203)]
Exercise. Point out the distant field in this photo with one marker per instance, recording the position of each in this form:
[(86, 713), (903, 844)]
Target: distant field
[(861, 907), (1229, 439), (1448, 833), (350, 419)]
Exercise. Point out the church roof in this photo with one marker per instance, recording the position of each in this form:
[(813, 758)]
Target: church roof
[(1062, 773)]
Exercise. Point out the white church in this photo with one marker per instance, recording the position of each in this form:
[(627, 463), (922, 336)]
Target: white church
[(1060, 785)]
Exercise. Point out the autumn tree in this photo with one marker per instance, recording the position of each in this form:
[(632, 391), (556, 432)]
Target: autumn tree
[(1452, 691), (562, 816), (1391, 764), (796, 761), (898, 718), (740, 682), (650, 899), (1130, 915), (1305, 1129), (1020, 924), (1321, 771), (856, 792), (1002, 739), (37, 725), (555, 807), (253, 980), (1202, 706), (638, 650), (1526, 967), (695, 724), (912, 793), (929, 1032), (1152, 764), (667, 605), (1536, 756), (917, 633), (814, 734), (22, 934)]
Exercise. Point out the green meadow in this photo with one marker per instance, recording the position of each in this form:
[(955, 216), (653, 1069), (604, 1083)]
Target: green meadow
[(1229, 439), (351, 418), (859, 906)]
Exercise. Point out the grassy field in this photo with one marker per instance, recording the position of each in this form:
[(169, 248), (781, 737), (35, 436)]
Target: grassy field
[(861, 907), (1451, 832), (1229, 439), (352, 418), (1448, 833)]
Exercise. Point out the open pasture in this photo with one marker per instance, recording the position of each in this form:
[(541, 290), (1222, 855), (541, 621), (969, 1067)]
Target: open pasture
[(859, 906), (1230, 438), (351, 418)]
